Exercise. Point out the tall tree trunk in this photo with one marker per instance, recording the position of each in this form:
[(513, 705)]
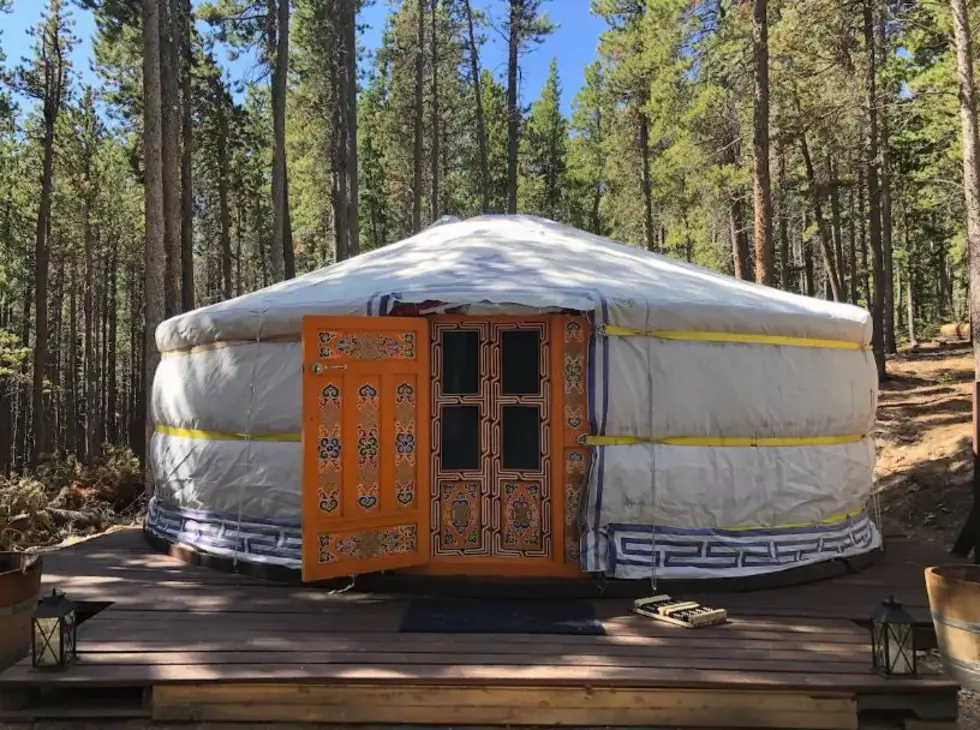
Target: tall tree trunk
[(170, 100), (239, 224), (596, 216), (884, 98), (943, 296), (910, 308), (103, 357), (647, 187), (513, 117), (54, 412), (434, 206), (282, 223), (969, 538), (154, 250), (910, 291), (809, 278), (134, 427), (111, 384), (224, 212), (836, 228), (417, 161), (277, 263), (863, 233), (72, 444), (762, 190), (6, 405), (23, 435), (338, 86), (874, 193), (41, 255), (353, 216), (187, 148), (481, 128), (826, 244), (7, 382), (784, 263), (900, 286), (91, 442), (740, 240), (852, 247)]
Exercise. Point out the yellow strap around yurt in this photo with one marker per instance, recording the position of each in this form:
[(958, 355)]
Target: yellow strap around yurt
[(694, 336), (194, 433), (832, 520), (722, 441), (716, 441)]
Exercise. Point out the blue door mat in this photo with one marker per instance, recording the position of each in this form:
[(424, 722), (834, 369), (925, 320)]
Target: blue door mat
[(462, 616)]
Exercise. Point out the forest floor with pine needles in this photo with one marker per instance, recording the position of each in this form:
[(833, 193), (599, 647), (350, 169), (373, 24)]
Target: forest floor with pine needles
[(924, 465), (65, 500)]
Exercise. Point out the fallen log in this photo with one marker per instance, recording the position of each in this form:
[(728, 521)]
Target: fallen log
[(75, 518)]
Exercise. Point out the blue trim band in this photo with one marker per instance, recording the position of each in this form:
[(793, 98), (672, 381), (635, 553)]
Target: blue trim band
[(690, 552)]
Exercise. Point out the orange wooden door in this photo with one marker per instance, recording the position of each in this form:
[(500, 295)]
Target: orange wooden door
[(365, 444)]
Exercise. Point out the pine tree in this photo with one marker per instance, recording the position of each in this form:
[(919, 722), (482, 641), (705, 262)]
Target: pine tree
[(592, 116), (155, 252), (543, 153), (764, 249), (525, 26)]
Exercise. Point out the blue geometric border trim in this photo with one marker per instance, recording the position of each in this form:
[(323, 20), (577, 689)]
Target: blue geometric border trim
[(679, 552), (273, 542)]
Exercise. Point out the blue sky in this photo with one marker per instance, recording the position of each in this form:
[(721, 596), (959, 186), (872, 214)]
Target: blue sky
[(574, 42)]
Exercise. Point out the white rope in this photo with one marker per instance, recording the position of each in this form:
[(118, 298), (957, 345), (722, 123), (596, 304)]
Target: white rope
[(653, 521), (248, 437), (653, 476), (876, 512), (349, 586)]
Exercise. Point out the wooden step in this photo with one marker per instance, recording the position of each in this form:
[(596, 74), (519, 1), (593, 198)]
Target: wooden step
[(501, 705)]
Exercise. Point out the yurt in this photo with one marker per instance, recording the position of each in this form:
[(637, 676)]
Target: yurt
[(510, 396)]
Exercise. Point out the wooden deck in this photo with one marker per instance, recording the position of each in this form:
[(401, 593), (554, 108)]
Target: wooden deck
[(180, 643)]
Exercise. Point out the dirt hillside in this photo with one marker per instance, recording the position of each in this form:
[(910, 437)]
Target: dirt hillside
[(924, 447)]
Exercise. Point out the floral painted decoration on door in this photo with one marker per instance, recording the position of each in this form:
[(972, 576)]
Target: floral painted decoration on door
[(366, 345), (368, 462), (405, 444), (329, 449)]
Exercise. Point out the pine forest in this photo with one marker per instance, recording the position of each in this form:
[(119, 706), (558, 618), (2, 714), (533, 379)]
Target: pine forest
[(810, 145)]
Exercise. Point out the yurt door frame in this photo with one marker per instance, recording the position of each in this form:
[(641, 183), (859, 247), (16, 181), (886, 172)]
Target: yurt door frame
[(498, 491)]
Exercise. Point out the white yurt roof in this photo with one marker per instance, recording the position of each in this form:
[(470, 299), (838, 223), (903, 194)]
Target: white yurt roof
[(529, 261)]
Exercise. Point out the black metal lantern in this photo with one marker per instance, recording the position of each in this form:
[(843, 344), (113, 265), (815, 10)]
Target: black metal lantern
[(53, 632), (893, 639)]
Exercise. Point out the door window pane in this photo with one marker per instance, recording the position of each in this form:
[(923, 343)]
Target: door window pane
[(460, 438), (461, 362), (520, 362), (521, 426)]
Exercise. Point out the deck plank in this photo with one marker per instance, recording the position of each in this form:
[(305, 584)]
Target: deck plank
[(661, 650), (803, 664), (504, 705), (466, 674)]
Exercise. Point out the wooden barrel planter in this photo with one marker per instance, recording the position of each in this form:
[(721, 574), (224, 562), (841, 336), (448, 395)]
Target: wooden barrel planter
[(954, 599), (20, 583)]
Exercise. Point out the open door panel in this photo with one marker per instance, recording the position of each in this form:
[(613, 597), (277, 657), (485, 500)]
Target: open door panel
[(365, 445)]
